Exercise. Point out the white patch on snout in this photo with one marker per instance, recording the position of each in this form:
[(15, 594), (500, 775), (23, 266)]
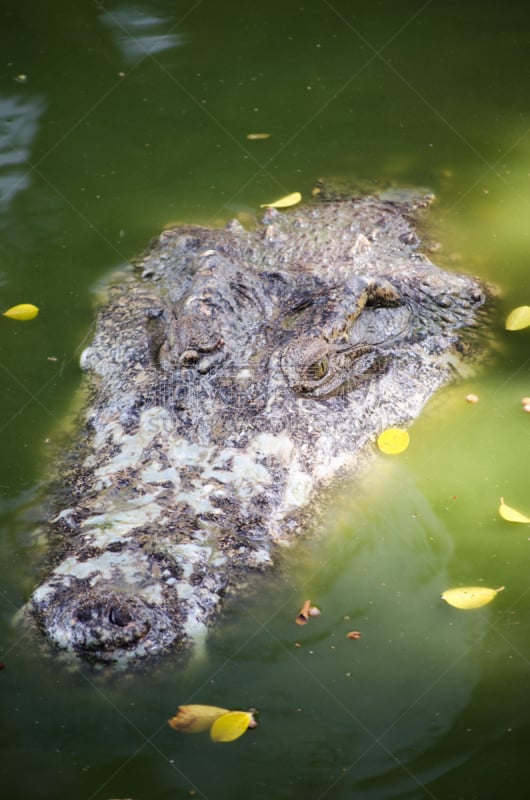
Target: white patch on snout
[(123, 521), (240, 470), (299, 485), (128, 571), (330, 462), (281, 447), (153, 473), (299, 488), (88, 359), (243, 471), (189, 558), (244, 375), (131, 447), (247, 472)]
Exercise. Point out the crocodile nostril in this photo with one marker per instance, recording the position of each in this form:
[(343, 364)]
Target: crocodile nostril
[(119, 617)]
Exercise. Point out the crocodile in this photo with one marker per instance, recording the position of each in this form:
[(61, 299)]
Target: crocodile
[(234, 377)]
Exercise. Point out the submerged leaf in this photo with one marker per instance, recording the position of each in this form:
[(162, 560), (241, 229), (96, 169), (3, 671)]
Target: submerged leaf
[(470, 596), (195, 718), (284, 202), (518, 319), (393, 441), (231, 726), (22, 312), (510, 514)]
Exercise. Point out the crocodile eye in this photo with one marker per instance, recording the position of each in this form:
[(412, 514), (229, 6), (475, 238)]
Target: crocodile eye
[(319, 369), (307, 363)]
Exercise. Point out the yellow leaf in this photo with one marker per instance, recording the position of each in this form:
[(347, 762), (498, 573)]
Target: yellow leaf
[(231, 726), (510, 514), (22, 312), (393, 441), (195, 718), (518, 318), (258, 135), (470, 596), (284, 202)]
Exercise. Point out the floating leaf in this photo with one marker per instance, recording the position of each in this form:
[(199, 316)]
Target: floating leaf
[(258, 135), (195, 718), (22, 312), (470, 596), (231, 726), (510, 514), (393, 441), (304, 613), (518, 319), (284, 202)]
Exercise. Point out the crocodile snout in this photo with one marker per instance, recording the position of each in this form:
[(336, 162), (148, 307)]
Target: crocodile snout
[(109, 621), (103, 624)]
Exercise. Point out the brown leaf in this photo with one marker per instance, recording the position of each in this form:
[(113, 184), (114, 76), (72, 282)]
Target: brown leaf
[(195, 718), (304, 614)]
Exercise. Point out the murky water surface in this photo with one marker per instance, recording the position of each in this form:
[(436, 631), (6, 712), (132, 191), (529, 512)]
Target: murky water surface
[(118, 118)]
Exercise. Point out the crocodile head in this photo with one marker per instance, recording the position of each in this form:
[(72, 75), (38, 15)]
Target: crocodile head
[(234, 376)]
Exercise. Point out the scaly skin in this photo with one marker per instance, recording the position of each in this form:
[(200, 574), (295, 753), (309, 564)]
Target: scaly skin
[(233, 376)]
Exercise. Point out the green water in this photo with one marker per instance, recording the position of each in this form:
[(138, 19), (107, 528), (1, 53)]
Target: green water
[(102, 144)]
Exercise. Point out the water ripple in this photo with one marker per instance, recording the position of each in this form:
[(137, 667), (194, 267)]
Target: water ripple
[(19, 124), (138, 33)]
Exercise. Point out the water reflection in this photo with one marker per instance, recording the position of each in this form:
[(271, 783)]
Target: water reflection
[(19, 125), (138, 33)]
